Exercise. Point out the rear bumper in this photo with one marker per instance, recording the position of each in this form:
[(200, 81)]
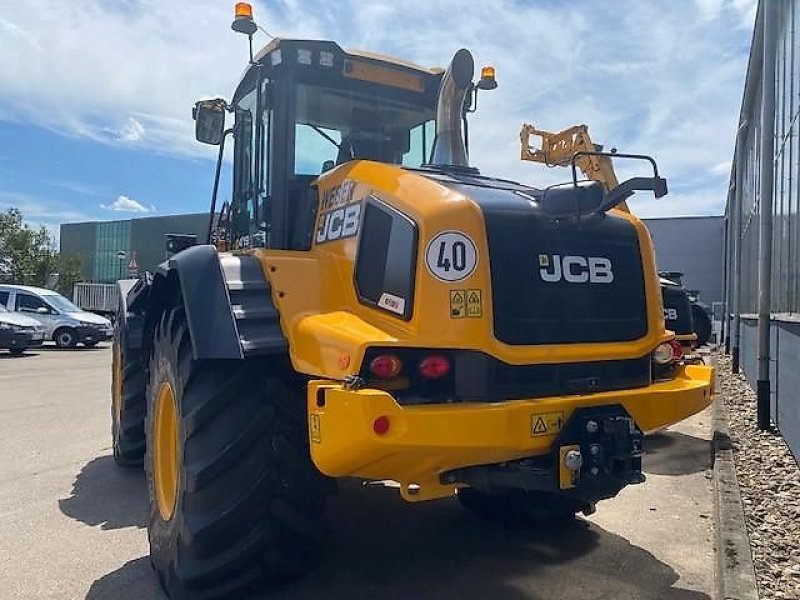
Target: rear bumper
[(424, 441)]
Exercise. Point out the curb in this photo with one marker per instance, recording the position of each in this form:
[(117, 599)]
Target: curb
[(736, 578)]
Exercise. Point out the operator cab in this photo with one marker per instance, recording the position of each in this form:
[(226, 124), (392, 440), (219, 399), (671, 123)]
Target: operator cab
[(304, 107)]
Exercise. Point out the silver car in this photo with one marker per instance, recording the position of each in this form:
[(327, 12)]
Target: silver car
[(18, 332), (63, 322)]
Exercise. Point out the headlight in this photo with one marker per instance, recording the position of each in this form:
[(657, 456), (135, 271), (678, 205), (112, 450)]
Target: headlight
[(5, 325)]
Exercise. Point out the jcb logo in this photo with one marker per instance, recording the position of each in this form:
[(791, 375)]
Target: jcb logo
[(670, 314), (339, 224), (575, 269)]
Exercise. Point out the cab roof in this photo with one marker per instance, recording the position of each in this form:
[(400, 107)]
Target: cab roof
[(280, 52), (277, 43)]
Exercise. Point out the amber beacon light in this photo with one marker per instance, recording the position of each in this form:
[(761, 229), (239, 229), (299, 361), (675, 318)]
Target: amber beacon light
[(243, 19), (487, 81)]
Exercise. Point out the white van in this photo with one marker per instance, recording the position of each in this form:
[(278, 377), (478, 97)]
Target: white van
[(64, 323)]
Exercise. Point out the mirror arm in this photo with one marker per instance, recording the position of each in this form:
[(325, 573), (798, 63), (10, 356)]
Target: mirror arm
[(213, 210), (657, 185)]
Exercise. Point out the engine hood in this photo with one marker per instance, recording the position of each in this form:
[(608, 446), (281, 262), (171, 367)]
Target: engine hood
[(17, 319), (87, 317)]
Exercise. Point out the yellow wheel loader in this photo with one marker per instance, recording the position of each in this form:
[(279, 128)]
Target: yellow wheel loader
[(370, 305)]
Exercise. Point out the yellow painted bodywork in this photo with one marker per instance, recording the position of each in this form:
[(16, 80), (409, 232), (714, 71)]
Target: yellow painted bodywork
[(329, 330), (425, 441), (324, 320)]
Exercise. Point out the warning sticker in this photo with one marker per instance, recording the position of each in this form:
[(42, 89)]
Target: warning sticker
[(314, 430), (465, 304), (474, 306), (546, 424), (458, 304)]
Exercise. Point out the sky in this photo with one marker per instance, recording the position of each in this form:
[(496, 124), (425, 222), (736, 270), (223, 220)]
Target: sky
[(96, 95)]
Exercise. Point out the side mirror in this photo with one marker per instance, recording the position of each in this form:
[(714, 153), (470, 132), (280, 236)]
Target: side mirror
[(209, 117), (42, 310)]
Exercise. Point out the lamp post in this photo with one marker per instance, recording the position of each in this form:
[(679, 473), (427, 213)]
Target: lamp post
[(121, 256)]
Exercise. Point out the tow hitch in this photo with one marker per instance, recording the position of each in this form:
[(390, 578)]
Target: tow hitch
[(598, 453)]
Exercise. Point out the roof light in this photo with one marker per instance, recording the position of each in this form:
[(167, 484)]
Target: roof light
[(304, 56), (243, 9), (243, 19), (325, 59), (487, 81)]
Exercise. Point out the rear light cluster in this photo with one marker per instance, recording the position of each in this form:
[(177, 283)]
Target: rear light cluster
[(389, 366), (665, 357)]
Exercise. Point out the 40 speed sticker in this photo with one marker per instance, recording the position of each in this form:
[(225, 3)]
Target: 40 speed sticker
[(451, 256)]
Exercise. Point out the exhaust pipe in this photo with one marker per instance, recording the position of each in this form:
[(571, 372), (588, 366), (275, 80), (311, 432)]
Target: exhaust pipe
[(448, 145)]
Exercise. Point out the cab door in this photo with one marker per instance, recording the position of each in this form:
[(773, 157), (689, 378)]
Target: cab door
[(36, 308)]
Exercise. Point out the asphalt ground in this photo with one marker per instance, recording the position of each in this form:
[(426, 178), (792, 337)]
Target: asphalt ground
[(72, 525)]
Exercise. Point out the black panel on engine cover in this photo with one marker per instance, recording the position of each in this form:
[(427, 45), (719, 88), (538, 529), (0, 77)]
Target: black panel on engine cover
[(677, 310), (524, 241)]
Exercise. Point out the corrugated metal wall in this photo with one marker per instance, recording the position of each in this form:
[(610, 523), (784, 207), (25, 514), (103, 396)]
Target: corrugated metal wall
[(744, 200)]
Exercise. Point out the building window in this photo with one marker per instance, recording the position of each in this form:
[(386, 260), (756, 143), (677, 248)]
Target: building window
[(112, 251)]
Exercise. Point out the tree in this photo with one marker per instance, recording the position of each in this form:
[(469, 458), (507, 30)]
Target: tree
[(28, 255)]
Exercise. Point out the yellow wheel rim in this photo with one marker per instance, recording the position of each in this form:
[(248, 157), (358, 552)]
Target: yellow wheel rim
[(165, 451), (116, 382)]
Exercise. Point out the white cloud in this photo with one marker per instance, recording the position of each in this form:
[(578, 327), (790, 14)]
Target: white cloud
[(131, 131), (664, 78), (41, 210), (125, 204)]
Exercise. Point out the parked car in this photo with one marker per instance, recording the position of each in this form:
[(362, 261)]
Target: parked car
[(18, 332), (64, 323)]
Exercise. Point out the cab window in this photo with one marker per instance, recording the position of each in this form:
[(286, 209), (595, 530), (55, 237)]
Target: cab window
[(4, 298), (420, 144), (340, 125), (27, 303)]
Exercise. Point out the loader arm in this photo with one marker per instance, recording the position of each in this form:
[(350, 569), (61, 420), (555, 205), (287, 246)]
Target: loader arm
[(557, 150)]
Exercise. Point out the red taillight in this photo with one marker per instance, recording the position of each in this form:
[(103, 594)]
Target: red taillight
[(434, 366), (677, 349), (381, 425), (385, 366)]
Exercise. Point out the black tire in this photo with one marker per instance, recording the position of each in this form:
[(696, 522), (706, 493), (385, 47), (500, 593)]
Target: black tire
[(17, 351), (249, 503), (65, 337), (518, 508), (128, 404), (91, 344), (702, 325)]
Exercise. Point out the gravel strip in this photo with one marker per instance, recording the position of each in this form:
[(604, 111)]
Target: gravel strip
[(769, 479)]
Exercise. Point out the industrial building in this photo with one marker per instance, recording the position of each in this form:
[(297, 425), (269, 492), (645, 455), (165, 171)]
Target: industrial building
[(762, 227), (109, 250), (693, 246)]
